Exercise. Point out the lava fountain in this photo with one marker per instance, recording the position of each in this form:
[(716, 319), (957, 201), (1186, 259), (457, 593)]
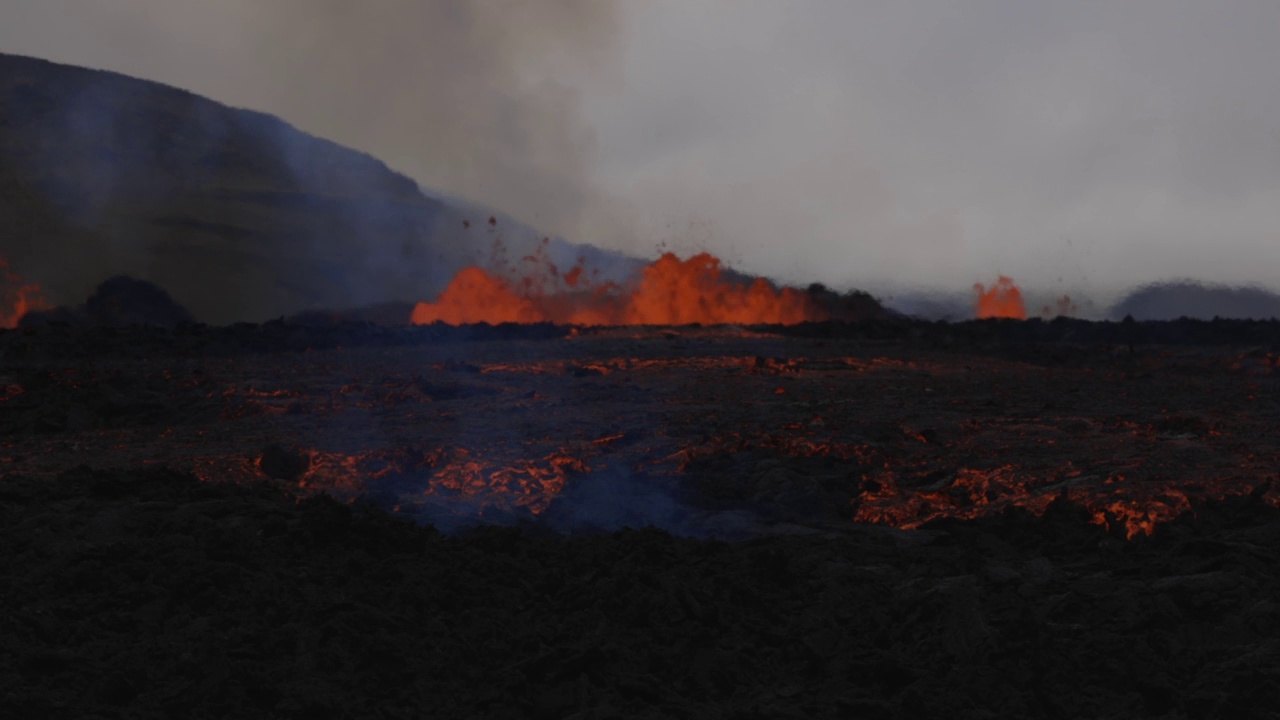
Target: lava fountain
[(1002, 300), (669, 291), (17, 296)]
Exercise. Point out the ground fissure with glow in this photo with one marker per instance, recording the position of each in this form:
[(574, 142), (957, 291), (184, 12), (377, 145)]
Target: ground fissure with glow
[(730, 426), (668, 291), (925, 520)]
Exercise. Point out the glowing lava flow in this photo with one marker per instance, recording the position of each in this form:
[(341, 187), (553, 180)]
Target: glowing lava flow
[(17, 297), (670, 291), (1002, 300)]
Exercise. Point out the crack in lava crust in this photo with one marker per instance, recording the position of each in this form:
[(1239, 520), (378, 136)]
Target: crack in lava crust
[(795, 431)]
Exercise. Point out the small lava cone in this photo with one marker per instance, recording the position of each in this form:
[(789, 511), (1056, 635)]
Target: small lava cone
[(123, 300), (120, 301)]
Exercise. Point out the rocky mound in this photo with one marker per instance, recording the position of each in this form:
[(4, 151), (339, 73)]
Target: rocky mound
[(120, 301), (1190, 299)]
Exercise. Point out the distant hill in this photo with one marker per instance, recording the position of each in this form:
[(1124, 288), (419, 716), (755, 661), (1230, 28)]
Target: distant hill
[(1186, 298), (235, 213)]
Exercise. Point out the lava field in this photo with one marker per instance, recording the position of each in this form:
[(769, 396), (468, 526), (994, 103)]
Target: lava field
[(879, 519)]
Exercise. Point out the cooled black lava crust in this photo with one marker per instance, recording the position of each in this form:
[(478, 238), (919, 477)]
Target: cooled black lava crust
[(142, 585)]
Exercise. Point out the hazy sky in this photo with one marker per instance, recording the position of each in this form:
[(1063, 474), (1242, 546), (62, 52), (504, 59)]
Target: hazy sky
[(1068, 144)]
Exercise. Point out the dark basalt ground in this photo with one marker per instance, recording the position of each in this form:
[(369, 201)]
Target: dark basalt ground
[(141, 591)]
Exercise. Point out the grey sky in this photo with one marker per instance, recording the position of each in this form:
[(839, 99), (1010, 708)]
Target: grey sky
[(871, 143)]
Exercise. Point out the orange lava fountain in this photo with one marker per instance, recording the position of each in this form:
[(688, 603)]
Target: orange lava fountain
[(475, 296), (670, 291), (17, 297), (1002, 300)]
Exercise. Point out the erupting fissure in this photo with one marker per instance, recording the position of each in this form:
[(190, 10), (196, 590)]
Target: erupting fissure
[(669, 291), (1002, 300), (17, 296)]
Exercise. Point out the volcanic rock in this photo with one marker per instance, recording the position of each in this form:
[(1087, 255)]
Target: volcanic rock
[(318, 608), (160, 562), (283, 463)]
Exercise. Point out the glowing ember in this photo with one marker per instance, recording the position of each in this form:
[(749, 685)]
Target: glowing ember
[(1002, 300), (532, 483), (470, 479), (670, 291), (17, 297)]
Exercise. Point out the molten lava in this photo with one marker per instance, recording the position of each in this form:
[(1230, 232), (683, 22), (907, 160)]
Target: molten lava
[(17, 297), (1002, 300), (475, 296), (670, 291)]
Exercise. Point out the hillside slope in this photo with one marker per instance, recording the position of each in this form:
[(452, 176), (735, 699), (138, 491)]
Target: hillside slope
[(236, 213)]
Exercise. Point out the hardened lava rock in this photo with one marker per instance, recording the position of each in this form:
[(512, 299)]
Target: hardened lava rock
[(149, 593), (283, 463)]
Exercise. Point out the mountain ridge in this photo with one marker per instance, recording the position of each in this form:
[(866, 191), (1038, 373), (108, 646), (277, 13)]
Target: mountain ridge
[(237, 213)]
